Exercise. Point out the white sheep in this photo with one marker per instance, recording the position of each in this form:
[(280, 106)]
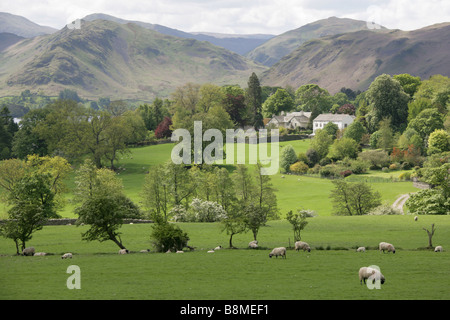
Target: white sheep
[(386, 246), (40, 254), (416, 218), (123, 251), (66, 256), (371, 274), (253, 244), (28, 251), (438, 249), (302, 245), (145, 251), (180, 251), (361, 249), (281, 251), (218, 248), (210, 251)]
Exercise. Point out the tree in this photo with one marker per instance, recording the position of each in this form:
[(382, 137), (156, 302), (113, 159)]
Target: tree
[(332, 129), (342, 148), (278, 102), (163, 129), (426, 122), (155, 193), (234, 104), (167, 236), (409, 83), (288, 157), (311, 96), (321, 143), (355, 131), (388, 100), (430, 235), (254, 101), (235, 222), (353, 198), (439, 141), (385, 135), (298, 222), (102, 204)]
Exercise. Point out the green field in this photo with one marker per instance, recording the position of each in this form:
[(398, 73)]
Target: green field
[(329, 271)]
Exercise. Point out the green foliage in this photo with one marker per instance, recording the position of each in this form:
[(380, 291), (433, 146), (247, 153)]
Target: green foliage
[(167, 236), (321, 143), (254, 101), (278, 102), (376, 158), (426, 122), (353, 198), (409, 83), (438, 142), (298, 222), (355, 131), (287, 158), (342, 148), (332, 129), (299, 167)]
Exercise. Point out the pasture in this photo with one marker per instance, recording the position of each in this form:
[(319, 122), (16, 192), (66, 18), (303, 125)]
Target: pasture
[(329, 271)]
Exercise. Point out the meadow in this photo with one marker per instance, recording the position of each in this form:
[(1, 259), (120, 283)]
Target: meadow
[(329, 271)]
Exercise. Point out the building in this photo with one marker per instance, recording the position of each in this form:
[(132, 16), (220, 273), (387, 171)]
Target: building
[(341, 120), (290, 120)]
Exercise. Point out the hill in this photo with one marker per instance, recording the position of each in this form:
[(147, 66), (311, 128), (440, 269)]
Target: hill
[(353, 60), (276, 48), (240, 44), (123, 61), (10, 23)]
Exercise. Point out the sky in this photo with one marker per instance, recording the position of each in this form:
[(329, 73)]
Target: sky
[(236, 16)]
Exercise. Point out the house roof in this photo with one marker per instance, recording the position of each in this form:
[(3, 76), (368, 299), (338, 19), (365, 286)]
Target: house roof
[(333, 117)]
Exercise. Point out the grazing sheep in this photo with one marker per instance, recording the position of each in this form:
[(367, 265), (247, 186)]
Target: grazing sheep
[(145, 251), (253, 244), (361, 249), (66, 256), (416, 218), (40, 254), (371, 274), (302, 245), (123, 251), (386, 246), (281, 251), (438, 249), (218, 248), (28, 251), (180, 251), (210, 251)]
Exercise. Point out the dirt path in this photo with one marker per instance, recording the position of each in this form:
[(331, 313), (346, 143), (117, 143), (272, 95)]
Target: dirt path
[(398, 204)]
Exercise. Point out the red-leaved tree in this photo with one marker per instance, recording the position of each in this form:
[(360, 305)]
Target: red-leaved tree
[(163, 129)]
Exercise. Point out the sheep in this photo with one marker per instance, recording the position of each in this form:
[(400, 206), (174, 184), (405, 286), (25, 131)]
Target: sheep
[(371, 274), (302, 245), (361, 249), (218, 248), (180, 251), (210, 251), (66, 256), (28, 251), (145, 251), (281, 251), (416, 218), (253, 244), (386, 246), (438, 249), (40, 254), (123, 251)]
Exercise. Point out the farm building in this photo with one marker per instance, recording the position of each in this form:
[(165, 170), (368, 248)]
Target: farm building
[(342, 120), (290, 120)]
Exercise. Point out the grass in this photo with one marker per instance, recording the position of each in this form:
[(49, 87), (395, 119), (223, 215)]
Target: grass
[(237, 274)]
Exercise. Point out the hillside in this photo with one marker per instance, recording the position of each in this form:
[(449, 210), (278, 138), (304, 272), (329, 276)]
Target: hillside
[(126, 61), (240, 44), (276, 48), (10, 23), (353, 60)]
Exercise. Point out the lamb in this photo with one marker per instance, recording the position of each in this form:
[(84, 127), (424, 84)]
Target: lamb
[(386, 246), (361, 249), (416, 218), (253, 244), (179, 251), (66, 256), (281, 251), (302, 245), (123, 251), (210, 251), (438, 249), (218, 248), (40, 254), (28, 251), (371, 274), (145, 251)]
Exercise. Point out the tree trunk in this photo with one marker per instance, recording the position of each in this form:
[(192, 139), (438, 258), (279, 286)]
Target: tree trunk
[(430, 235), (119, 243)]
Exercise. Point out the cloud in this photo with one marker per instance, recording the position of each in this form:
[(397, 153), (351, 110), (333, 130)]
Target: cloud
[(236, 16)]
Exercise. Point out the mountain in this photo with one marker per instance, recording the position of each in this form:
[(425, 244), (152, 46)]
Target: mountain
[(8, 39), (353, 60), (10, 23), (276, 48), (122, 61), (240, 44)]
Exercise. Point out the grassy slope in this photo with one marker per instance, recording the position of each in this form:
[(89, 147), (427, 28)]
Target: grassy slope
[(320, 274)]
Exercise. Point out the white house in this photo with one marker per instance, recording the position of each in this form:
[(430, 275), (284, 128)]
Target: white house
[(290, 120), (342, 120)]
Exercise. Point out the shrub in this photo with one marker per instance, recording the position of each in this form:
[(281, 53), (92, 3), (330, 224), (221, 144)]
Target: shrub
[(167, 236), (299, 167), (346, 173), (405, 176), (393, 167), (376, 158), (359, 166), (384, 209), (288, 157)]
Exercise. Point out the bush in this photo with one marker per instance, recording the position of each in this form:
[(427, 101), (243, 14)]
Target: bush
[(299, 167), (384, 209), (405, 176), (199, 211), (393, 167), (167, 236), (376, 158), (346, 173), (359, 166), (288, 157)]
